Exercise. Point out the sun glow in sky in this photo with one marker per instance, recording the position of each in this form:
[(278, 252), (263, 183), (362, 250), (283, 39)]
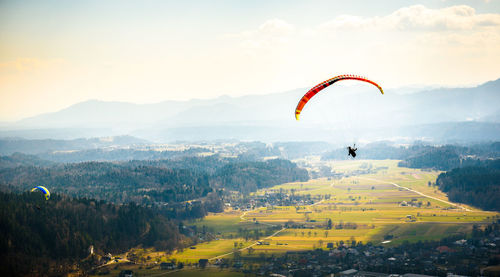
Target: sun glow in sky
[(57, 53)]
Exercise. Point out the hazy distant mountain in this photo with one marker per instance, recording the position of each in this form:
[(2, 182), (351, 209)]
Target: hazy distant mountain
[(13, 145), (339, 112), (19, 159)]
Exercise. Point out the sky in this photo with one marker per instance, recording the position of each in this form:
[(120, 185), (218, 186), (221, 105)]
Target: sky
[(57, 53)]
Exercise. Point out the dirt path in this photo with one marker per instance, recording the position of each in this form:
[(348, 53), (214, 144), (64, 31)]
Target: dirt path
[(242, 217), (163, 273), (418, 192)]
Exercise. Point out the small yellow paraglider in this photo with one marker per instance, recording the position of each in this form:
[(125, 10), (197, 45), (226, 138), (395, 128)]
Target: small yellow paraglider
[(44, 190)]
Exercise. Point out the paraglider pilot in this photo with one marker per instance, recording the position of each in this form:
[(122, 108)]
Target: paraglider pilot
[(352, 151)]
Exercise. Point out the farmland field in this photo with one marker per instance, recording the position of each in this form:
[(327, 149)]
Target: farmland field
[(373, 201)]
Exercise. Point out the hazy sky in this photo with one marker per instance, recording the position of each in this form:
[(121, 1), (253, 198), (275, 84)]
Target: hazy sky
[(56, 53)]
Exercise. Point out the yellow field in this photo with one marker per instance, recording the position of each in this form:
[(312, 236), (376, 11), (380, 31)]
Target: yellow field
[(225, 223), (209, 250)]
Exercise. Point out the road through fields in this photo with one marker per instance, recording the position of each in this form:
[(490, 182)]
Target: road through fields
[(417, 192), (242, 217)]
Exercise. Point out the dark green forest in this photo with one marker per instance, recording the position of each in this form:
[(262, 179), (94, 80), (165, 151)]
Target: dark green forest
[(113, 182), (183, 188), (250, 176), (478, 186), (448, 157), (36, 235), (152, 182), (440, 158)]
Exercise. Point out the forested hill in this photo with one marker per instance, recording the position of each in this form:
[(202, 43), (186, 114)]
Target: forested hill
[(35, 233), (154, 182), (111, 182), (441, 158), (478, 186), (19, 159), (250, 176)]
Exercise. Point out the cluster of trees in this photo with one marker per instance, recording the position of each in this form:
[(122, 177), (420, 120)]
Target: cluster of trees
[(193, 209), (250, 176), (448, 157), (35, 234), (198, 164), (374, 151), (441, 158), (478, 186), (256, 234)]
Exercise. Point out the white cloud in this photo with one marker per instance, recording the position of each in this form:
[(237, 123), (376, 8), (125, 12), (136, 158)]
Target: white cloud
[(412, 45), (268, 34), (455, 24), (276, 27), (418, 18)]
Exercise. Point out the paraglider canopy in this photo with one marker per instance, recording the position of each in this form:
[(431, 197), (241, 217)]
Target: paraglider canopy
[(44, 190), (325, 84)]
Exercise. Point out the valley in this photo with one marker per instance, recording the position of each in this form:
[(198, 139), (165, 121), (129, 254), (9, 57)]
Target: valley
[(369, 202)]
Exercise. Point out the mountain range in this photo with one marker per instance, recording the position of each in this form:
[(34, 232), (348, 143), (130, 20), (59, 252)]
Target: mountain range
[(343, 112)]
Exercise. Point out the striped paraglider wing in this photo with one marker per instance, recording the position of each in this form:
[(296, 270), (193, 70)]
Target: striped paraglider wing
[(303, 101)]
